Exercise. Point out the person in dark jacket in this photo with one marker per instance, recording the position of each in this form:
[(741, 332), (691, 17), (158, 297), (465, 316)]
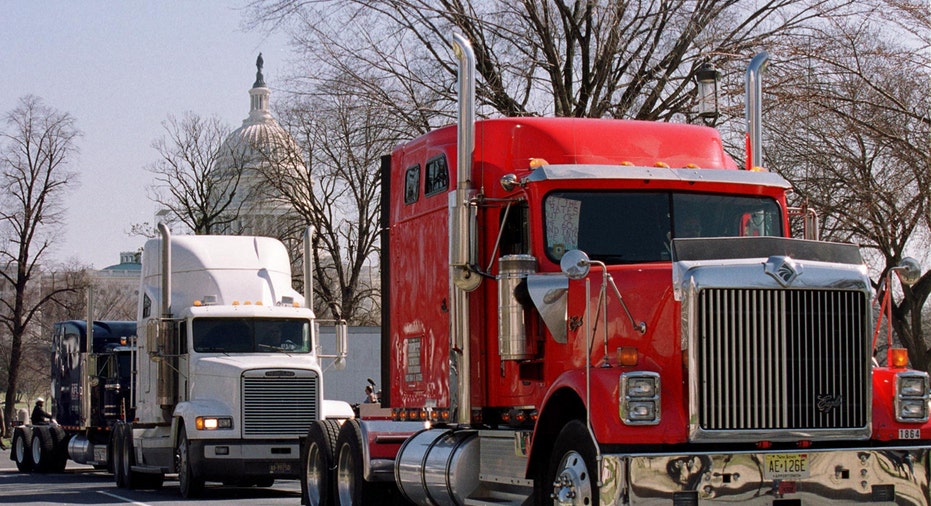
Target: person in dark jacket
[(39, 415), (2, 429)]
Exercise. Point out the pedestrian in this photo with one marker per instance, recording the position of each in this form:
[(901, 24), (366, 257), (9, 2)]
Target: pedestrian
[(39, 415), (2, 429)]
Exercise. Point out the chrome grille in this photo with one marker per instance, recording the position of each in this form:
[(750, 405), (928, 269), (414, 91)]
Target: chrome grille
[(783, 360), (279, 405)]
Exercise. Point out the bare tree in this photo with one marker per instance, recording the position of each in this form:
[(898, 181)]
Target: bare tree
[(593, 59), (38, 144), (113, 298), (343, 139), (198, 175), (396, 73), (852, 136)]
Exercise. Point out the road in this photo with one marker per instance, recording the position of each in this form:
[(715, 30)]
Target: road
[(81, 484)]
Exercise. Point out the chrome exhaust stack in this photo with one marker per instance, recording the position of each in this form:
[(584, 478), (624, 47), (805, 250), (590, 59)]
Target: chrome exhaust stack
[(166, 269), (462, 244), (308, 267), (166, 344), (754, 110)]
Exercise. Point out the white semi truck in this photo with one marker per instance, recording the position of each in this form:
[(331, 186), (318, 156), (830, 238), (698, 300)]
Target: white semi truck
[(227, 371)]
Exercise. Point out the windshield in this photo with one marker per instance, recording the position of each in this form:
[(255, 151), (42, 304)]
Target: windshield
[(619, 227), (251, 335)]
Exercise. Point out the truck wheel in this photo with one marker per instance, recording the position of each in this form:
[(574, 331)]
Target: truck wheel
[(127, 458), (351, 487), (116, 438), (60, 441), (111, 451), (116, 450), (570, 479), (190, 482), (42, 447), (22, 449), (317, 477)]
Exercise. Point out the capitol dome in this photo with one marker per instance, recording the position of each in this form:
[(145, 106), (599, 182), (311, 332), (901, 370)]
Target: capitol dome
[(257, 149)]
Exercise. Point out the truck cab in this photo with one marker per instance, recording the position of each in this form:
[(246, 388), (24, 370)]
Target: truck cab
[(227, 371)]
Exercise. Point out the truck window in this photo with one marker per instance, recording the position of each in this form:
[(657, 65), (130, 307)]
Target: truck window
[(709, 215), (622, 227), (251, 335), (412, 184), (437, 179), (514, 230)]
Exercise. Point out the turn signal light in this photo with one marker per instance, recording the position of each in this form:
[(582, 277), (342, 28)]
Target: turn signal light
[(628, 356), (898, 357)]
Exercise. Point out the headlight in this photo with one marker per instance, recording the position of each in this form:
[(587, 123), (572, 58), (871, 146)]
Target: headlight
[(911, 397), (213, 422), (640, 398)]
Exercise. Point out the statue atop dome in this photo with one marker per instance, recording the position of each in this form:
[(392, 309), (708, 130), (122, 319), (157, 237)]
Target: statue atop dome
[(259, 79)]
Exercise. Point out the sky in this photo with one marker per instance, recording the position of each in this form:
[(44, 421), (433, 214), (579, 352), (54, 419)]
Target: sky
[(120, 68)]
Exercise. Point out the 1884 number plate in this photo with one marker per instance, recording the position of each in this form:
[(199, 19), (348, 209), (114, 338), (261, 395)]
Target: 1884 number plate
[(785, 466)]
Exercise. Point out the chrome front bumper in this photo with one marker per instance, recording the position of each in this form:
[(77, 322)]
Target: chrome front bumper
[(898, 476)]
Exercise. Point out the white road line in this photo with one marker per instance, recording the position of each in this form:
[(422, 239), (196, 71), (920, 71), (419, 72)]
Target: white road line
[(130, 501)]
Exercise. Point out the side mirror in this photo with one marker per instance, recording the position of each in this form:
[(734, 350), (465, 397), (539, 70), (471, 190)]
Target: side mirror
[(152, 330), (908, 270), (575, 264), (342, 344)]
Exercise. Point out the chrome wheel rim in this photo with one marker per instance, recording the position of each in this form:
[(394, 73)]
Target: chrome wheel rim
[(346, 476), (314, 474), (573, 484), (36, 450)]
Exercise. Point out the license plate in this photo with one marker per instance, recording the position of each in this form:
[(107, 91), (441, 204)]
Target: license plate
[(909, 434), (280, 468), (785, 466)]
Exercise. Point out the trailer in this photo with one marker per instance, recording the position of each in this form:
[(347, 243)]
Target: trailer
[(593, 311)]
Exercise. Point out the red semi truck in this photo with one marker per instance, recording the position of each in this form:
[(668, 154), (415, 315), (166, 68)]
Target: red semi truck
[(589, 311)]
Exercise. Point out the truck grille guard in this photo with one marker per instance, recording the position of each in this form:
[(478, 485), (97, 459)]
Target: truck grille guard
[(778, 349)]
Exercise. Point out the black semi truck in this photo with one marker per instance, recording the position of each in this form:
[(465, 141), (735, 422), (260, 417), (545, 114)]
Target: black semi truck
[(91, 391)]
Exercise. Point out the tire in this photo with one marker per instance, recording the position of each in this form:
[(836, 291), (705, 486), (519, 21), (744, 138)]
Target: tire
[(60, 441), (570, 476), (42, 448), (317, 457), (21, 451), (111, 451), (351, 487), (127, 457), (264, 482), (116, 449), (191, 484)]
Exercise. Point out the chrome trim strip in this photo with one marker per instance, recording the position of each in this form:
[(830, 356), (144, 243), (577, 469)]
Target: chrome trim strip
[(742, 177)]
